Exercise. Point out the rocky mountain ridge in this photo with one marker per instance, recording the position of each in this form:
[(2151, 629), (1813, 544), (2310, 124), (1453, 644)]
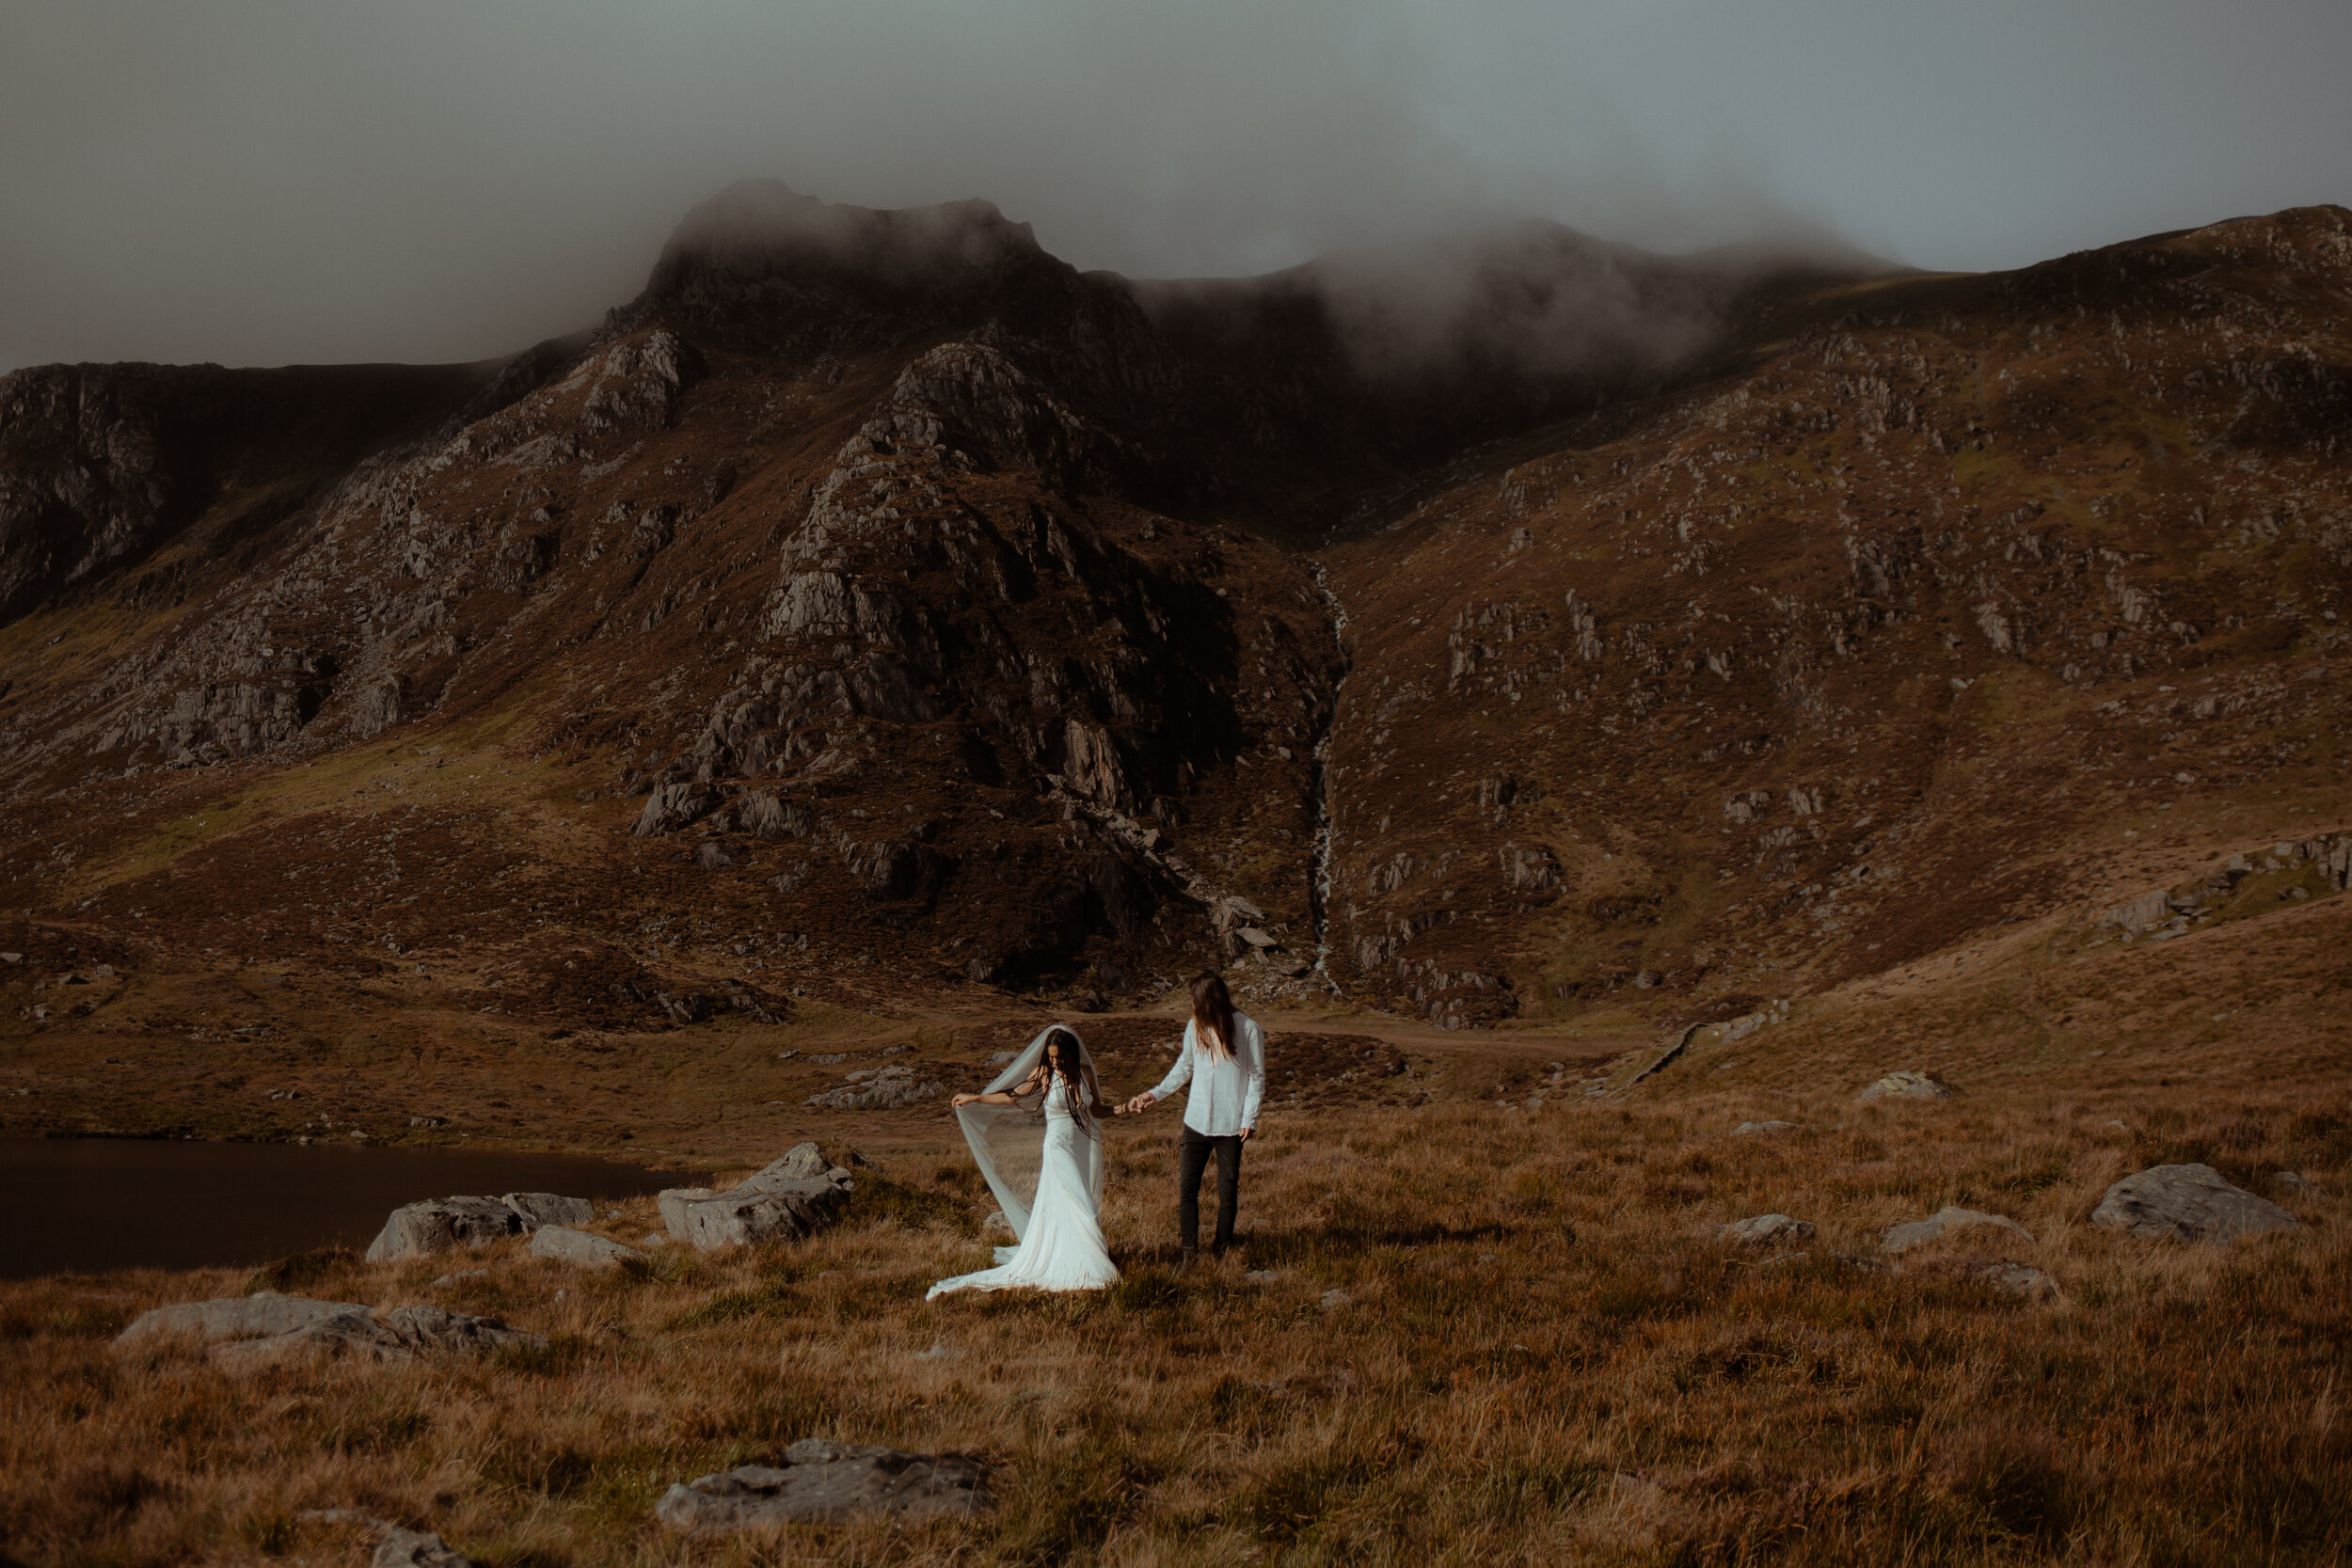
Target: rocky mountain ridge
[(878, 607)]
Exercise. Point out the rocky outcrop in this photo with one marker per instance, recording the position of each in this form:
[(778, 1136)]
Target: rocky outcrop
[(885, 1089), (827, 1481), (261, 1330), (263, 1314), (394, 1546), (2020, 1280), (539, 1209), (1946, 1222), (437, 1225), (792, 1197), (1766, 1230), (564, 1245), (1905, 1085), (2186, 1203)]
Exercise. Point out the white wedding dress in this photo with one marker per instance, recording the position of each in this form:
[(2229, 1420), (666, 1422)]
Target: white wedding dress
[(1062, 1233)]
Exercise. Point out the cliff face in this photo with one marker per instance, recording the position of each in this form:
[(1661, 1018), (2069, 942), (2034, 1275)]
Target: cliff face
[(880, 602)]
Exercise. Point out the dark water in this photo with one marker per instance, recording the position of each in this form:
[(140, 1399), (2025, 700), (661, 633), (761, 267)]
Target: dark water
[(87, 1204)]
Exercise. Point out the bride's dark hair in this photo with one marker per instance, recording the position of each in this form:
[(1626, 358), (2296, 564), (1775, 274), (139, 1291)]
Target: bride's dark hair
[(1213, 1014), (1072, 1074)]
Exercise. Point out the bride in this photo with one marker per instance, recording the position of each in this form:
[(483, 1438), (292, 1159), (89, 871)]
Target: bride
[(1052, 1197)]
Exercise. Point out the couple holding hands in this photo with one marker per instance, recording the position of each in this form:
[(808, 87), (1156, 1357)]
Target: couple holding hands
[(1052, 1188)]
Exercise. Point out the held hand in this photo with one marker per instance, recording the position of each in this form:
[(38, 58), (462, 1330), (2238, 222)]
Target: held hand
[(964, 1099), (1140, 1102)]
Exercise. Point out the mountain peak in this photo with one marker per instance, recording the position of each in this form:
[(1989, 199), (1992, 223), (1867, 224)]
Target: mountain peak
[(760, 230)]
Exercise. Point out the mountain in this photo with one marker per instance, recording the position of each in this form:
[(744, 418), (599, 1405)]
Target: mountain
[(879, 613)]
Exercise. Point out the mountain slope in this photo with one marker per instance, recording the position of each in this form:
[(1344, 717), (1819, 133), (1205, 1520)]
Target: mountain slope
[(878, 611)]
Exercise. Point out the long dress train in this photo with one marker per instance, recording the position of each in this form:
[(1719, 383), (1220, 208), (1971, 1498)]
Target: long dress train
[(1061, 1247)]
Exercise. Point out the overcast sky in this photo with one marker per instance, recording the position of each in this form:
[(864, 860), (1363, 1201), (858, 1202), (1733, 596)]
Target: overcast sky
[(255, 183)]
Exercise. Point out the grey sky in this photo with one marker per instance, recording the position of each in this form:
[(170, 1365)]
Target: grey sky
[(263, 180)]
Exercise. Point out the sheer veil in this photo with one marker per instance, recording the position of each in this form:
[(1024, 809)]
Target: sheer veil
[(1008, 1141)]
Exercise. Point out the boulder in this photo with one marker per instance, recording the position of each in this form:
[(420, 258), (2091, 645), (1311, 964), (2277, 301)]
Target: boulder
[(827, 1481), (672, 1201), (539, 1209), (430, 1329), (743, 1216), (1945, 1222), (1749, 1128), (2020, 1280), (261, 1330), (803, 1161), (1766, 1230), (1905, 1085), (437, 1224), (2186, 1203), (251, 1317), (396, 1546), (794, 1196), (2294, 1184), (567, 1246)]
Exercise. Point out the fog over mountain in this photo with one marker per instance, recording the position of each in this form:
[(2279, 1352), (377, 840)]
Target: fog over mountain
[(256, 182)]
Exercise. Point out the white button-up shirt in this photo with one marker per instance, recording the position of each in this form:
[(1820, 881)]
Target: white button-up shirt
[(1225, 1092)]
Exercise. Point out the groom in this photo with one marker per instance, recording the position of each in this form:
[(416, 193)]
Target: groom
[(1220, 1112)]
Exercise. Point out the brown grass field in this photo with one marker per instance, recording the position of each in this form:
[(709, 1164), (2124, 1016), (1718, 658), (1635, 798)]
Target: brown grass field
[(1545, 1353)]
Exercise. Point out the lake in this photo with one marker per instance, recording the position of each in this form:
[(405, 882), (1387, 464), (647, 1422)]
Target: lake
[(80, 1205)]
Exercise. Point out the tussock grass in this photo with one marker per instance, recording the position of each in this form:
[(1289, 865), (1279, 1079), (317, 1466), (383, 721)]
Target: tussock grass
[(1544, 1355)]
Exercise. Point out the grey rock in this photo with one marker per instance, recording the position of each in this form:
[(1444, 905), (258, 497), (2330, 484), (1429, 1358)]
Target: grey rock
[(888, 1088), (1766, 1230), (1262, 1276), (262, 1330), (430, 1329), (539, 1209), (1333, 1299), (996, 1222), (567, 1246), (2186, 1203), (780, 1212), (2149, 909), (792, 1197), (803, 1161), (827, 1481), (1945, 1222), (1906, 1085), (2020, 1280), (265, 1312), (766, 816), (2294, 1184), (396, 1546), (437, 1224), (673, 806), (1748, 1128), (672, 1202)]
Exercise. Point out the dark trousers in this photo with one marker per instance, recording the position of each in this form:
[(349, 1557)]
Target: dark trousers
[(1192, 1160)]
